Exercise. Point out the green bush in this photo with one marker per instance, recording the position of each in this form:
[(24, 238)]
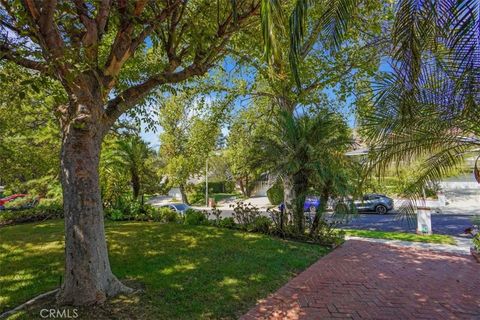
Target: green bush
[(126, 208), (21, 203), (275, 194), (196, 192), (194, 217), (115, 214), (221, 186), (43, 211), (476, 242), (244, 214), (261, 224), (170, 216), (228, 223), (156, 215)]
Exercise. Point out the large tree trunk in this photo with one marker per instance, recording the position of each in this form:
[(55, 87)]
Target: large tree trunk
[(135, 184), (295, 189), (88, 278), (184, 194)]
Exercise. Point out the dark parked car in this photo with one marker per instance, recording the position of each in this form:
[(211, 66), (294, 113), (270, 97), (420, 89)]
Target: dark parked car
[(310, 202), (377, 203), (179, 208)]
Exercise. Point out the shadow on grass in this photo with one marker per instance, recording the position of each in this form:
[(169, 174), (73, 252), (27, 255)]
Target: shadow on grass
[(188, 272)]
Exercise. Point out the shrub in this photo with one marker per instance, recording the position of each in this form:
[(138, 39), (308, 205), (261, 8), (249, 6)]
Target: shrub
[(196, 192), (328, 234), (170, 216), (476, 242), (43, 211), (275, 194), (216, 213), (261, 224), (115, 214), (279, 220), (50, 202), (194, 217), (221, 186), (21, 203), (244, 213), (126, 208), (228, 223), (476, 233)]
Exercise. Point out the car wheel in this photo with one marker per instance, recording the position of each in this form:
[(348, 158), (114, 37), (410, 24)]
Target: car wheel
[(381, 209)]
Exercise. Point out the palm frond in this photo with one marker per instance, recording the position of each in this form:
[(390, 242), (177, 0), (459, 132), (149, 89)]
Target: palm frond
[(333, 25), (271, 13)]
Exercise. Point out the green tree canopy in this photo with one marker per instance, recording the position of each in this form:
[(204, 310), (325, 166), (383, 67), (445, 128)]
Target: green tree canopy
[(190, 129)]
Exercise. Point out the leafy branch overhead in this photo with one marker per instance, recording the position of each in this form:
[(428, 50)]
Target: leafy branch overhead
[(332, 26), (74, 41)]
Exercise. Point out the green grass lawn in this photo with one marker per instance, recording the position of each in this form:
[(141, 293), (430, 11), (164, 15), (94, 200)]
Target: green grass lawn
[(222, 196), (434, 238), (187, 272)]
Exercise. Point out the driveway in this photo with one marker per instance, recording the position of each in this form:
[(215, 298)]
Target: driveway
[(367, 280), (450, 224)]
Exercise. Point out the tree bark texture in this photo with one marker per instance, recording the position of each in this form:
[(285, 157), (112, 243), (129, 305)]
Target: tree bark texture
[(295, 189), (183, 194), (135, 180), (88, 278)]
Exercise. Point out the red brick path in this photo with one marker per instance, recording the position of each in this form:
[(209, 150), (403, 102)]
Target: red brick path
[(366, 280)]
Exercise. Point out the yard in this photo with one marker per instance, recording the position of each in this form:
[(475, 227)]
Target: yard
[(184, 272), (374, 234)]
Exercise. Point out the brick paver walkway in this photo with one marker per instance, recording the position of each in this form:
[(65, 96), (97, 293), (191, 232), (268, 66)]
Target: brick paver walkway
[(367, 280)]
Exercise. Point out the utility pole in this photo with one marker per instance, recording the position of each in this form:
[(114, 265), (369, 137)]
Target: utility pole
[(206, 182)]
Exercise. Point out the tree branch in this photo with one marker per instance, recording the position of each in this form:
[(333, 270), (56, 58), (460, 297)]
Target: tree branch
[(41, 19), (321, 82), (202, 61), (90, 37), (131, 96), (125, 44), (8, 54)]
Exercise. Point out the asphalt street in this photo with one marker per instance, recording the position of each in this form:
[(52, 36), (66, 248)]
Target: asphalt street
[(451, 224)]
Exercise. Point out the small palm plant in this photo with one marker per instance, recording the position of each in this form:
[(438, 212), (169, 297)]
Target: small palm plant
[(307, 152), (130, 155)]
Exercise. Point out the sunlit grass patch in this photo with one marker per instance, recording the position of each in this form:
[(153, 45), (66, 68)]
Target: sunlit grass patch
[(434, 238), (187, 272)]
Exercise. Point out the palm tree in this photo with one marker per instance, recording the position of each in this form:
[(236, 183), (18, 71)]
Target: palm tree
[(306, 151), (130, 154), (427, 105)]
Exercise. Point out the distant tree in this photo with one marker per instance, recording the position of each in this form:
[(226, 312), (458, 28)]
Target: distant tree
[(243, 149), (29, 132), (320, 77), (190, 130)]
